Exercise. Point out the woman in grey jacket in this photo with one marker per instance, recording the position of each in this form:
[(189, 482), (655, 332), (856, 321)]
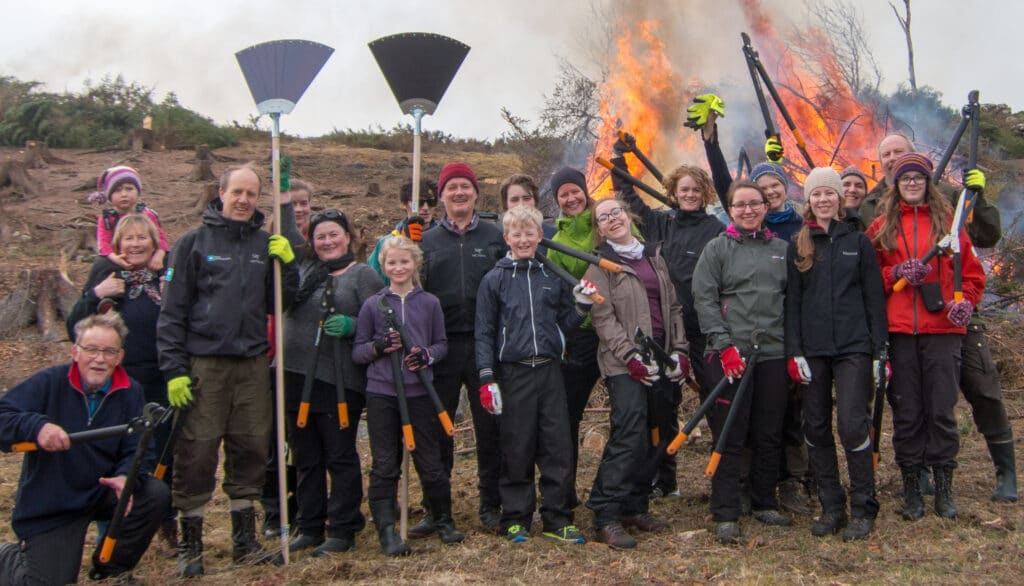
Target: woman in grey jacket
[(739, 287)]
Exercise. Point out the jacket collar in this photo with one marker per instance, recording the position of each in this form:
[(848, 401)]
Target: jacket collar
[(740, 235), (577, 226), (213, 216), (447, 224), (118, 380)]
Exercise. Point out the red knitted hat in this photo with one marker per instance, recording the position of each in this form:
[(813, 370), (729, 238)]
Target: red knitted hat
[(912, 162), (453, 170)]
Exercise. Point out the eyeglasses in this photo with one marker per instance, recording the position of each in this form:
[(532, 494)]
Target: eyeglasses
[(613, 213), (912, 179), (93, 351), (751, 205)]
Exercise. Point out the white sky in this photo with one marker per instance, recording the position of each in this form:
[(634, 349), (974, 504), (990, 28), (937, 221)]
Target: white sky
[(188, 46)]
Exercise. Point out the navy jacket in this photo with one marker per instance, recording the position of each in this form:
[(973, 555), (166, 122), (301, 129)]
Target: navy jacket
[(522, 312), (57, 486)]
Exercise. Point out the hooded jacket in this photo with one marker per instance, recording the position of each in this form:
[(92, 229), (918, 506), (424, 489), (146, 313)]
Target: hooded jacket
[(905, 309), (57, 486), (577, 232), (626, 308), (523, 311), (218, 292), (739, 286), (837, 306)]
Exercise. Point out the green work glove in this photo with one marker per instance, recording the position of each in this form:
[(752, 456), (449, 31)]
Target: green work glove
[(339, 326), (286, 173), (773, 149), (698, 112), (975, 179), (280, 249), (179, 391)]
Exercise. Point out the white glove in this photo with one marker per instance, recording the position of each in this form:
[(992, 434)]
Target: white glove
[(680, 367), (490, 398), (582, 292), (802, 369), (874, 371)]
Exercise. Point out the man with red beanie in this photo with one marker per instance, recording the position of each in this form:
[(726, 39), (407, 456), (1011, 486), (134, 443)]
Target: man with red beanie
[(457, 253)]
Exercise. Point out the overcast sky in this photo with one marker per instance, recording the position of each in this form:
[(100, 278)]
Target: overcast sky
[(188, 47)]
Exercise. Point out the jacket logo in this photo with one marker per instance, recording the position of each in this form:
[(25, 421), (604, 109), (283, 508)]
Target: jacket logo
[(776, 257), (479, 253), (255, 258), (215, 258), (849, 253)]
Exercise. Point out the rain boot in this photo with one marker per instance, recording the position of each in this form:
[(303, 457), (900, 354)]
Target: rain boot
[(190, 548), (944, 506), (913, 504), (245, 548), (441, 510), (383, 512), (1001, 450)]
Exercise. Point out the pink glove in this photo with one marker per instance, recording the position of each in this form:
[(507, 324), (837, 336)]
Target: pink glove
[(642, 372), (490, 398), (799, 370), (732, 363), (959, 313), (913, 270)]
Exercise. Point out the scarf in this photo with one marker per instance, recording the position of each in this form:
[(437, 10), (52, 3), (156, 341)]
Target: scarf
[(782, 216), (318, 275), (734, 232), (142, 281), (632, 251)]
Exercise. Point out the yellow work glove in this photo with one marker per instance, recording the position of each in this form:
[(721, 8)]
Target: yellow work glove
[(773, 149), (280, 249), (698, 112), (179, 391)]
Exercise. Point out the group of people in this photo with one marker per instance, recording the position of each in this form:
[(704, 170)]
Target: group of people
[(784, 316)]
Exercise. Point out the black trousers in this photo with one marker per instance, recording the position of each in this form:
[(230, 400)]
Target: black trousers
[(623, 482), (55, 557), (534, 435), (979, 382), (664, 415), (579, 374), (321, 449), (155, 390), (853, 390), (923, 394), (384, 423), (457, 369), (758, 423), (269, 494)]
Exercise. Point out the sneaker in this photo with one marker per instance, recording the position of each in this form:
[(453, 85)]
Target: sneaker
[(773, 518), (615, 535), (517, 534), (859, 528), (490, 518), (727, 533), (829, 522), (658, 492), (645, 522), (567, 534)]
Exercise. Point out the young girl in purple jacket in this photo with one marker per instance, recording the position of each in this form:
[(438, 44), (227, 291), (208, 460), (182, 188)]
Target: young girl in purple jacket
[(420, 314)]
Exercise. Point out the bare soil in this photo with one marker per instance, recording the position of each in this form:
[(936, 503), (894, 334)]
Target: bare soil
[(985, 546)]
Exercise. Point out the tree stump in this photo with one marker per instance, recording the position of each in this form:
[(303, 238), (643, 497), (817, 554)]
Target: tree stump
[(202, 169), (210, 192), (15, 174), (37, 155), (143, 139), (42, 297), (373, 189)]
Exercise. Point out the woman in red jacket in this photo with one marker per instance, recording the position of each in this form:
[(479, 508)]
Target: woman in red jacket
[(927, 323)]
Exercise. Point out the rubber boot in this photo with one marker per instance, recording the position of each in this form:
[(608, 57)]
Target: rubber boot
[(913, 504), (245, 548), (383, 513), (190, 548), (425, 528), (441, 509), (1006, 469), (944, 506)]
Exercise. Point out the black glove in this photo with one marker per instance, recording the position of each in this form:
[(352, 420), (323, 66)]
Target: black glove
[(387, 343), (625, 144), (417, 359)]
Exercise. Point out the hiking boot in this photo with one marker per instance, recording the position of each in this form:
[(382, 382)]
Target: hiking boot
[(566, 534), (245, 548), (944, 506), (122, 579), (913, 504), (444, 524), (190, 548), (305, 541), (829, 522), (425, 528), (727, 533), (793, 497), (645, 522), (334, 545), (490, 518), (615, 536), (773, 518), (167, 540), (1006, 470), (858, 528), (383, 512), (517, 534)]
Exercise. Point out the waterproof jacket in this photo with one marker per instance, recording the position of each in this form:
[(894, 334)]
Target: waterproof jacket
[(523, 311), (682, 234), (905, 309), (219, 290), (421, 318), (56, 487), (577, 232), (739, 286), (838, 305), (626, 308), (454, 264)]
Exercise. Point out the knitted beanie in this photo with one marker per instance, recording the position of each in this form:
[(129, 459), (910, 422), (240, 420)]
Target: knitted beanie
[(912, 162), (769, 169), (111, 179), (569, 175), (853, 170), (456, 170), (822, 177)]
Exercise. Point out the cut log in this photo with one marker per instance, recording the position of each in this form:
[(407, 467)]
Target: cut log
[(202, 169), (15, 174), (143, 139), (37, 155), (42, 297), (210, 192)]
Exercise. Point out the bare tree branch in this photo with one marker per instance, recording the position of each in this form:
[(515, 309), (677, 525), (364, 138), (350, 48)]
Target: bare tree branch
[(904, 21)]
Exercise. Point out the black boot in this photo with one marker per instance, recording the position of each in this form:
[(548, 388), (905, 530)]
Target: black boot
[(913, 504), (245, 549), (944, 506), (1006, 470), (426, 526), (190, 548), (441, 508), (383, 513)]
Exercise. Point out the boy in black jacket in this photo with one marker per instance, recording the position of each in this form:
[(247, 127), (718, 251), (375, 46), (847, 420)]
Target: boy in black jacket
[(522, 310)]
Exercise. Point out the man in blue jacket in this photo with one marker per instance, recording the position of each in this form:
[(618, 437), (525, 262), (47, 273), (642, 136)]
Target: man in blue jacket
[(64, 486)]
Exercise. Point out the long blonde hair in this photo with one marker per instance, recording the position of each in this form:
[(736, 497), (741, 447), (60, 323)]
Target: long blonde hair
[(402, 243), (804, 242)]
